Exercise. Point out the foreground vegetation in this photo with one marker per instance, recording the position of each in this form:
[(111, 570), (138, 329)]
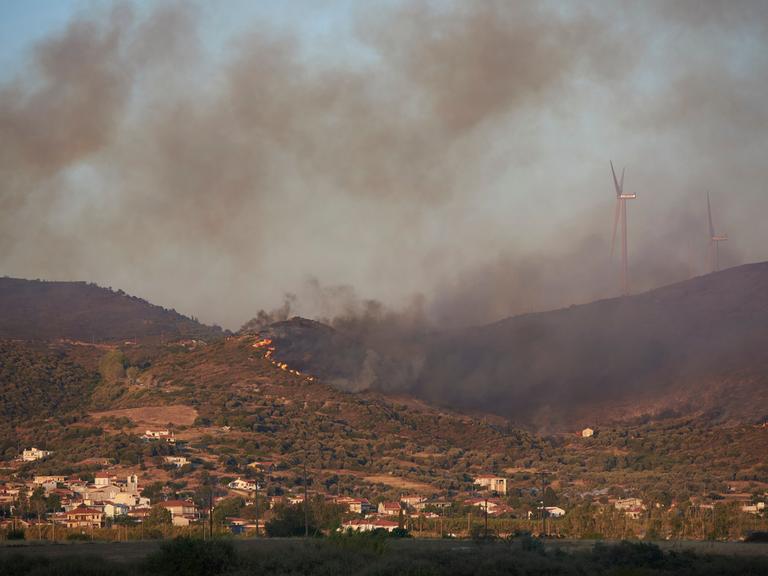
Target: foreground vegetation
[(376, 555)]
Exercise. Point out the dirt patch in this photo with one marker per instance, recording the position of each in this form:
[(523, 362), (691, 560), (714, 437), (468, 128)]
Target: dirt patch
[(176, 414), (397, 482)]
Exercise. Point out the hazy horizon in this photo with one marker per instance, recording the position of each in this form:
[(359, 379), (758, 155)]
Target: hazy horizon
[(446, 160)]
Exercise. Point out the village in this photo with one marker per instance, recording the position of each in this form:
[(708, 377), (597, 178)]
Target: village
[(115, 504)]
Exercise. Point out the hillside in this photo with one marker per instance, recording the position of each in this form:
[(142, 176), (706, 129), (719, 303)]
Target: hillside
[(694, 347), (229, 404), (699, 345), (41, 310)]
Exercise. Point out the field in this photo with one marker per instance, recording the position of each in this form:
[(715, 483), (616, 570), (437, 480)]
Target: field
[(158, 416), (368, 554)]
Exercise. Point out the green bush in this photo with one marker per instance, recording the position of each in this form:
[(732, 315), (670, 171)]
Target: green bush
[(190, 557)]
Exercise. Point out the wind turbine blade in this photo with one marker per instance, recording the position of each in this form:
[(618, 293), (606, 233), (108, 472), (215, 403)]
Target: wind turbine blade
[(615, 227), (615, 181), (709, 214), (621, 183)]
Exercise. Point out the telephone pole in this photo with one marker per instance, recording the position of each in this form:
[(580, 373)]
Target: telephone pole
[(306, 500), (256, 503)]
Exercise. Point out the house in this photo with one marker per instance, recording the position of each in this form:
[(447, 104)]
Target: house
[(113, 510), (262, 466), (294, 499), (48, 483), (491, 503), (354, 505), (183, 512), (414, 501), (240, 484), (139, 514), (32, 454), (628, 503), (587, 433), (103, 480), (554, 511), (389, 508), (83, 517), (243, 525), (177, 461), (368, 525), (131, 500), (492, 483), (756, 508), (159, 435), (42, 480), (634, 513)]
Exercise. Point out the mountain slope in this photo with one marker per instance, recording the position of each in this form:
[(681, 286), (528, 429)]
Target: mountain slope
[(41, 310), (696, 346), (701, 344)]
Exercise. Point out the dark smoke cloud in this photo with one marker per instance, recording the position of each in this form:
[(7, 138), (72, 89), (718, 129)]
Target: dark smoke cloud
[(459, 151)]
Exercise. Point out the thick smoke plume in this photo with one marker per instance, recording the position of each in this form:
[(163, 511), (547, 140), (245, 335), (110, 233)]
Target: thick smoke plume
[(457, 152)]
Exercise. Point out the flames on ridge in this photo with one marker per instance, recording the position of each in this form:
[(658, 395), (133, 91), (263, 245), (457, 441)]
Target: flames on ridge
[(269, 349)]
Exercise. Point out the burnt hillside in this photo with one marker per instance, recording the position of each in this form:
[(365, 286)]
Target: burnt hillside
[(692, 347), (699, 345), (41, 310)]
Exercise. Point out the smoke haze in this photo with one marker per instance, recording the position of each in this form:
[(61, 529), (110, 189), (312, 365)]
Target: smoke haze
[(445, 159)]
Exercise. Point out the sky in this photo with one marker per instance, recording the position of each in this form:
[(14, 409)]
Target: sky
[(446, 159)]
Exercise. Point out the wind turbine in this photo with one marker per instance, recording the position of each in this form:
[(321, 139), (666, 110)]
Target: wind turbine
[(714, 240), (621, 213)]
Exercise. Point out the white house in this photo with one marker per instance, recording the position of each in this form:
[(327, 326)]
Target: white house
[(159, 435), (177, 461), (492, 483), (32, 454), (554, 511), (240, 484), (753, 508), (587, 433)]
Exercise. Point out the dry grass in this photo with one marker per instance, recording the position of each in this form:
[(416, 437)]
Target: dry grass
[(159, 416), (401, 483)]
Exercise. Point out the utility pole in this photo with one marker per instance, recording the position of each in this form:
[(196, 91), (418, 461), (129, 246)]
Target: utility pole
[(306, 500), (210, 509), (486, 517), (256, 502)]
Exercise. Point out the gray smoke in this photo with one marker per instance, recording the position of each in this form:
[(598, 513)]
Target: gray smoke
[(447, 160)]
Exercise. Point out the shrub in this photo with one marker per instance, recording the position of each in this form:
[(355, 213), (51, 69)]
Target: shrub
[(190, 557)]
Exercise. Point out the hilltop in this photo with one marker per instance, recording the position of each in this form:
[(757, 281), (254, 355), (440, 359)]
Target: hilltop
[(695, 347), (43, 310)]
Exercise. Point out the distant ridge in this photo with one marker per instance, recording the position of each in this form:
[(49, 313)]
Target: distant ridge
[(43, 310)]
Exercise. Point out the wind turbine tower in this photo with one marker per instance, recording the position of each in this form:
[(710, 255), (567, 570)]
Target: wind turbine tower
[(621, 214), (714, 240)]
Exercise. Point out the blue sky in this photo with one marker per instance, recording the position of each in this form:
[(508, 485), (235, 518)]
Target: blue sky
[(24, 22)]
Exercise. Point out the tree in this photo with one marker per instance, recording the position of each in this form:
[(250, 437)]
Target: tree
[(112, 366), (159, 516), (550, 497), (227, 507), (289, 521)]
